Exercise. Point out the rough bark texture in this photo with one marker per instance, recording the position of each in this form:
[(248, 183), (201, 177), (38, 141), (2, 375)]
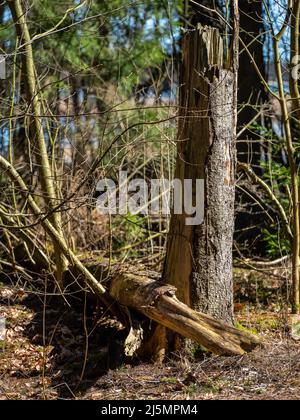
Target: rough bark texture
[(211, 279), (199, 258)]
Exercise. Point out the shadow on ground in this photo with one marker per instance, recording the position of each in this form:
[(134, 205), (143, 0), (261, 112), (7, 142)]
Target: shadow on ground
[(77, 342)]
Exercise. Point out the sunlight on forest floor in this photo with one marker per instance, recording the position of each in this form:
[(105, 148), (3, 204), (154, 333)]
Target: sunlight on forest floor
[(35, 367)]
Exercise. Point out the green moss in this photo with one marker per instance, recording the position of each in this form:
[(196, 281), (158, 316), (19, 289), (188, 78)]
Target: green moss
[(192, 389), (169, 380), (241, 327), (266, 323), (211, 387)]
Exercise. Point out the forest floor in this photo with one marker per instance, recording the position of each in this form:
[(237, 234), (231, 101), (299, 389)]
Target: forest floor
[(51, 351)]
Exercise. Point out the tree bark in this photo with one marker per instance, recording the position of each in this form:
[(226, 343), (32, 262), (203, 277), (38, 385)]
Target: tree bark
[(199, 258)]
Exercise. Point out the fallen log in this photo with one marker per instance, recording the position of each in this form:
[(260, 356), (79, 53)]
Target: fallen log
[(142, 291)]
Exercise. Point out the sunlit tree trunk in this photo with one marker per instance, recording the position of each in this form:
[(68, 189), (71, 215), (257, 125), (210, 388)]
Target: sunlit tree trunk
[(38, 141), (199, 258)]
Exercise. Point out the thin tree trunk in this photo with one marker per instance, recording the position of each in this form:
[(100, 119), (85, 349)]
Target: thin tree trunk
[(64, 249), (295, 93), (39, 142)]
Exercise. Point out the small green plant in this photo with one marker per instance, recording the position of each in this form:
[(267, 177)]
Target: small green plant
[(199, 351), (211, 387), (131, 228), (276, 244), (192, 389)]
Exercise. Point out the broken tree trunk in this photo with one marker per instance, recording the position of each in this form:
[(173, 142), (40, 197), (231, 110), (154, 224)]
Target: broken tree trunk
[(142, 291), (199, 258)]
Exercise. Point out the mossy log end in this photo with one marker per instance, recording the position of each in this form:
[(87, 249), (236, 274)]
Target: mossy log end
[(144, 292)]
